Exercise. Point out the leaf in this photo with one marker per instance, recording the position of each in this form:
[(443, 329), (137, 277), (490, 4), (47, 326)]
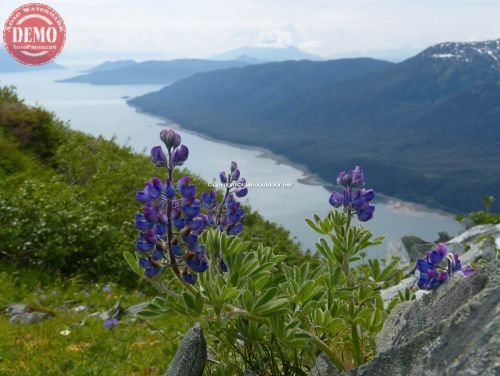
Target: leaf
[(314, 226), (151, 313), (189, 300), (133, 263), (273, 308)]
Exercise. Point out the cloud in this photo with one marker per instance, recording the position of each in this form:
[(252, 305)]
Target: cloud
[(275, 38)]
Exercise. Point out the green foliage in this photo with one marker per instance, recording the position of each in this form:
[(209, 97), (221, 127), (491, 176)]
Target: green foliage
[(487, 202), (481, 218), (275, 318), (68, 199), (85, 347)]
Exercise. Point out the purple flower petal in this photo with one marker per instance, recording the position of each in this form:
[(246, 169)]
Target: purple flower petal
[(336, 199), (241, 192)]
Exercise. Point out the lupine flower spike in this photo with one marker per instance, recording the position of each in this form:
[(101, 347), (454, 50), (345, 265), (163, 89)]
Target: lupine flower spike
[(173, 217), (432, 270), (355, 199)]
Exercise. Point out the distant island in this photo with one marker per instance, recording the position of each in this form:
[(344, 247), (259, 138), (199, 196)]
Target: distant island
[(415, 126), (129, 72)]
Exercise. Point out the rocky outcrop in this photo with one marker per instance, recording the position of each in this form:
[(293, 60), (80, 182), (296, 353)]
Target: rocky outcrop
[(454, 330), (480, 242), (190, 358)]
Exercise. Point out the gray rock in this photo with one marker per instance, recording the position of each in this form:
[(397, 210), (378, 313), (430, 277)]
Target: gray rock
[(29, 317), (323, 366), (481, 230), (395, 248), (16, 309), (190, 358), (103, 315), (249, 373), (467, 223), (416, 247), (454, 330)]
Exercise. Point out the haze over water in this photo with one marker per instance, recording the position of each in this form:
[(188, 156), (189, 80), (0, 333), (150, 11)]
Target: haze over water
[(102, 110)]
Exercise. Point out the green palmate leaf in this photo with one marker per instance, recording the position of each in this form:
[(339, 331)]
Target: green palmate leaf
[(365, 293), (133, 263), (356, 345), (151, 314), (229, 293), (375, 269), (273, 308), (266, 297), (189, 301), (387, 273), (159, 303), (315, 227)]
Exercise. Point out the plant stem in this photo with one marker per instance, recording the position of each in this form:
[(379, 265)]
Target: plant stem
[(173, 261), (326, 349)]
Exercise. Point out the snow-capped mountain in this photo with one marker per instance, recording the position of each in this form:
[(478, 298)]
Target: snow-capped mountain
[(467, 52)]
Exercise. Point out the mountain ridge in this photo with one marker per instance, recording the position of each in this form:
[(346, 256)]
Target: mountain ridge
[(425, 120), (152, 72)]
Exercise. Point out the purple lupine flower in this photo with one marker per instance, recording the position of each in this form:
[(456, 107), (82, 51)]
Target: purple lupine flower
[(173, 208), (158, 157), (223, 266), (111, 323), (432, 274), (196, 261), (354, 196), (151, 267), (180, 155), (209, 199), (189, 278), (336, 199), (241, 192), (468, 271), (107, 288)]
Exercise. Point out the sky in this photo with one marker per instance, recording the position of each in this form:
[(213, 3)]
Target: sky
[(202, 28)]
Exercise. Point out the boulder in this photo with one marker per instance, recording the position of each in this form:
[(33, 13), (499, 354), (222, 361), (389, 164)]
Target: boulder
[(454, 330), (323, 366), (16, 309), (190, 358)]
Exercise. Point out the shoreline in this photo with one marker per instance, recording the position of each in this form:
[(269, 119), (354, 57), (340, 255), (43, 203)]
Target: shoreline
[(308, 177)]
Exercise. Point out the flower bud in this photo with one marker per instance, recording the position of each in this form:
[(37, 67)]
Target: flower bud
[(171, 138), (222, 177), (235, 175)]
